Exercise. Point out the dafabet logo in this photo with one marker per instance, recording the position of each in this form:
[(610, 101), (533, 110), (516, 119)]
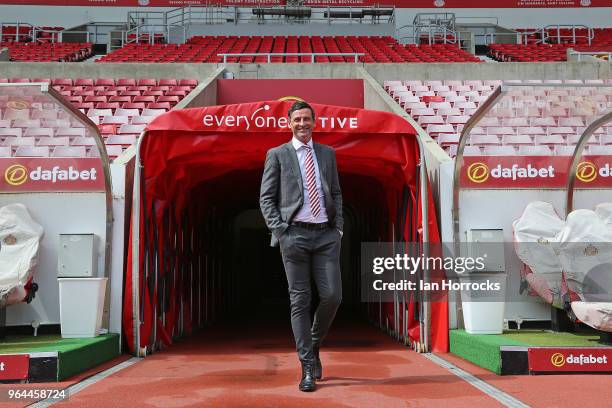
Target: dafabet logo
[(16, 175), (478, 172), (557, 359), (586, 171)]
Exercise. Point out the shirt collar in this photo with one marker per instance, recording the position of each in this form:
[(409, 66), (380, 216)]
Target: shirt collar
[(297, 144)]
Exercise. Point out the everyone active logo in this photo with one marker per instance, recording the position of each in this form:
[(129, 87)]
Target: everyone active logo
[(259, 120)]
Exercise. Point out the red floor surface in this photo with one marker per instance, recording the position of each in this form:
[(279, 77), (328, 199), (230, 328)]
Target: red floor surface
[(7, 401), (237, 368), (257, 367), (568, 390)]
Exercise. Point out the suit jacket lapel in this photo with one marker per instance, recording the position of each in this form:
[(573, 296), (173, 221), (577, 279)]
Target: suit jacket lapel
[(321, 162), (295, 165)]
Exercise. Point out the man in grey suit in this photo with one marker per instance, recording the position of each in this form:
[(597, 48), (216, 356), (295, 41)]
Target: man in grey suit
[(301, 202)]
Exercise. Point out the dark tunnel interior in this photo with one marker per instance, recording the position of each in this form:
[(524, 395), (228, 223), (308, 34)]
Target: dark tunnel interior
[(249, 281)]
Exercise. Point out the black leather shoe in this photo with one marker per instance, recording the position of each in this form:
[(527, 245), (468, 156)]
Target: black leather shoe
[(318, 368), (308, 383)]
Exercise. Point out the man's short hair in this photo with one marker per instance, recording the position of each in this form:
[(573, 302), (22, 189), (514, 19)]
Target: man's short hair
[(300, 105)]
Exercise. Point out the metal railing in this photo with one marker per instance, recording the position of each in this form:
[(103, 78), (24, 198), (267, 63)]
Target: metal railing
[(213, 13), (434, 34), (435, 19), (602, 55), (148, 33), (312, 55), (164, 22), (91, 33), (545, 37), (17, 25)]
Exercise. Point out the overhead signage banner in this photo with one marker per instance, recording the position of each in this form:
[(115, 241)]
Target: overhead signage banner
[(553, 359), (537, 172), (444, 4), (271, 117), (51, 175)]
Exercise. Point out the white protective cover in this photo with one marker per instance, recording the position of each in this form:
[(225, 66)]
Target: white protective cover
[(585, 253), (595, 314), (586, 257), (19, 239), (536, 235), (580, 248)]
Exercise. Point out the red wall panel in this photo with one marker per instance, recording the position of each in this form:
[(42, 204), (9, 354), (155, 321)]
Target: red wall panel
[(340, 92)]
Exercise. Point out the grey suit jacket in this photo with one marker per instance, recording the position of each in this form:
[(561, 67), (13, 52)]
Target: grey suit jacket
[(282, 194)]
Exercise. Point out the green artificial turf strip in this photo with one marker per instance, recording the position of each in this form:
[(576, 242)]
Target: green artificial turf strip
[(74, 355), (30, 344), (552, 339), (483, 349), (75, 360), (480, 349)]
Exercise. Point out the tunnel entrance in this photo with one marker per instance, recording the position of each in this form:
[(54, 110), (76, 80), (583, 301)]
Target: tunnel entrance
[(201, 255), (252, 272)]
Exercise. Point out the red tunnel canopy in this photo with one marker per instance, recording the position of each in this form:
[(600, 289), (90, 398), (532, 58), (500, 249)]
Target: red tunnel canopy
[(184, 148)]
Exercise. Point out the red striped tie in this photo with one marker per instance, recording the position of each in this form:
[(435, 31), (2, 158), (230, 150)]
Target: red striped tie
[(311, 183)]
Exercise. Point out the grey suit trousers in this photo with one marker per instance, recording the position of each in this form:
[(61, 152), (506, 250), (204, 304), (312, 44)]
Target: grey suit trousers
[(311, 254)]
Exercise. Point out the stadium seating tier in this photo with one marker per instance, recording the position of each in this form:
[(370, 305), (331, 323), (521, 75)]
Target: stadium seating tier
[(121, 108), (207, 49), (541, 122)]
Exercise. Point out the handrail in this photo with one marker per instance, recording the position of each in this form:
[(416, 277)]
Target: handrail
[(544, 35), (433, 32), (582, 142), (573, 36), (16, 34), (608, 54), (312, 55), (36, 30), (213, 13), (142, 30), (428, 18)]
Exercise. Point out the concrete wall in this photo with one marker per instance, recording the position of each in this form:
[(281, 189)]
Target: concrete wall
[(205, 94), (506, 70), (380, 72), (105, 70)]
